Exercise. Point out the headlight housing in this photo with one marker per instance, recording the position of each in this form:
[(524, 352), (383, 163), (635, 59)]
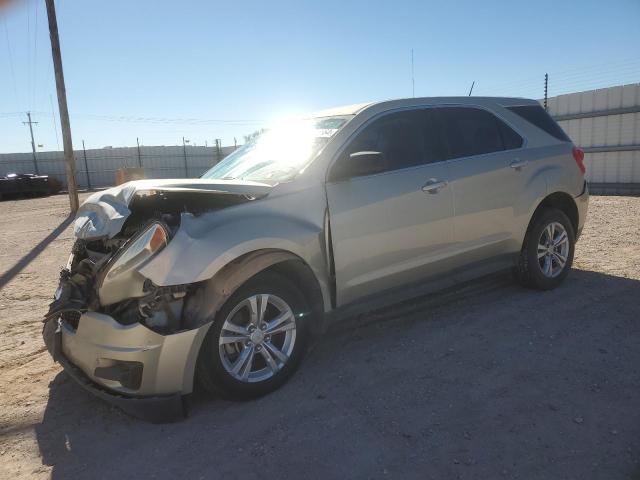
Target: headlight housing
[(153, 239)]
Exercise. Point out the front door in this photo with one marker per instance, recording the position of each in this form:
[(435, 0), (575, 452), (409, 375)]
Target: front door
[(391, 226)]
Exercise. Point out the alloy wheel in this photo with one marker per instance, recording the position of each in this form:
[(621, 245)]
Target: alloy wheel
[(553, 249), (257, 338)]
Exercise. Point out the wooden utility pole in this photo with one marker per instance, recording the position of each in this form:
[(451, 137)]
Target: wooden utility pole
[(86, 166), (70, 162), (184, 151), (139, 156), (33, 143)]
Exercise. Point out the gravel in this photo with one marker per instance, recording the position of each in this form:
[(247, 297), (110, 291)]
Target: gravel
[(486, 381)]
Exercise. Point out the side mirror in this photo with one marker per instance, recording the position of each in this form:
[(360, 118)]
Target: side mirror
[(359, 164)]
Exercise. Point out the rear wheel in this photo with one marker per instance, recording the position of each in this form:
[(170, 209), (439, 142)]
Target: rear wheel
[(547, 253), (257, 339)]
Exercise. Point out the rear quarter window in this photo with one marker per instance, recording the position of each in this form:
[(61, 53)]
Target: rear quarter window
[(537, 115), (474, 131)]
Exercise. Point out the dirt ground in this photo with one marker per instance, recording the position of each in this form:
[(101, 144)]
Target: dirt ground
[(490, 381)]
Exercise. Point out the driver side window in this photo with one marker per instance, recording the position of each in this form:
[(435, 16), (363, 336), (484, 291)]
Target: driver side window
[(398, 138)]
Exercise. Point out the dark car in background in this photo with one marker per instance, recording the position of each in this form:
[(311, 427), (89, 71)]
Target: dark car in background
[(28, 185)]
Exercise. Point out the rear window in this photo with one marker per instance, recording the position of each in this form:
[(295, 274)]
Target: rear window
[(540, 118), (473, 131)]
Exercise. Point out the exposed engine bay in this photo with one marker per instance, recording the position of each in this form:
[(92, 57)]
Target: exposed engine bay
[(153, 264), (101, 275)]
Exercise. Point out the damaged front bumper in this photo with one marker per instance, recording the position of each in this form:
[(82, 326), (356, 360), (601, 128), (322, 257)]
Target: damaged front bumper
[(140, 352), (144, 373)]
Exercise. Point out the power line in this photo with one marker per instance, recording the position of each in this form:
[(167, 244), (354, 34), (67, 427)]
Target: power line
[(600, 70), (580, 74), (600, 76), (166, 120), (53, 118), (28, 98), (35, 53), (13, 75), (599, 65), (578, 83), (153, 120)]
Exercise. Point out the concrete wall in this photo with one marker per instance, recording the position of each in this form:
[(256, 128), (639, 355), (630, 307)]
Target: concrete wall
[(158, 162), (605, 123)]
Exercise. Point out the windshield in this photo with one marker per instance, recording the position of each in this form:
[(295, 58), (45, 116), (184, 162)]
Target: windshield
[(280, 153)]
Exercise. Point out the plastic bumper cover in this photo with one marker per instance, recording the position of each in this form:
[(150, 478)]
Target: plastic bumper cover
[(155, 408), (582, 202)]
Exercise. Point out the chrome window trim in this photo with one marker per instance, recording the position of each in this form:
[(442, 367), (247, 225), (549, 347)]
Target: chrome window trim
[(509, 124), (525, 140), (507, 107), (357, 132), (379, 115)]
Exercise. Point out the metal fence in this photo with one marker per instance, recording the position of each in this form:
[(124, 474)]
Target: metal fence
[(97, 167), (605, 123)]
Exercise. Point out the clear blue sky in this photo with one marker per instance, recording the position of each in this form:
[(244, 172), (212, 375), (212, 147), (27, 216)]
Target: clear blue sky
[(253, 61)]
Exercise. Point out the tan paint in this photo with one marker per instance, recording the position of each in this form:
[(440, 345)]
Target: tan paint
[(169, 360)]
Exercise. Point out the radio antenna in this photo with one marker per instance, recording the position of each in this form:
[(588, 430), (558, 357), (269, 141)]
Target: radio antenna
[(413, 81)]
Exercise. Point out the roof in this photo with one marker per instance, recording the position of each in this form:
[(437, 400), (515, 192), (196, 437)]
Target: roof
[(403, 102), (342, 110)]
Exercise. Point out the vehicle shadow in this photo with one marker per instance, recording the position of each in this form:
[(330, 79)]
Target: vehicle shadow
[(549, 374), (33, 254)]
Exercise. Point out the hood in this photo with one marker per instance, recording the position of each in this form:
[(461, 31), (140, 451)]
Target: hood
[(103, 214)]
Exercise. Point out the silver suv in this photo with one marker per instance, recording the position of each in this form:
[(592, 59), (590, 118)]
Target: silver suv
[(223, 279)]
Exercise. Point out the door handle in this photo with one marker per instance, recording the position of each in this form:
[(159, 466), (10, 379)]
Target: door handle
[(518, 163), (433, 185)]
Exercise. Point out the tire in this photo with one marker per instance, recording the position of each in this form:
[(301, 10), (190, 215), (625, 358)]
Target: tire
[(548, 271), (216, 362)]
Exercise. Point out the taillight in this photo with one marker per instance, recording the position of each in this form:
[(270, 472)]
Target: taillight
[(578, 156)]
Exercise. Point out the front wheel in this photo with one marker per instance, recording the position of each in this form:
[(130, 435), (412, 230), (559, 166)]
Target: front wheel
[(547, 253), (257, 339)]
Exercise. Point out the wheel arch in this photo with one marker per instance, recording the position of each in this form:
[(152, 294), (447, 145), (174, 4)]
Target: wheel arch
[(210, 295), (237, 272), (563, 202), (533, 277)]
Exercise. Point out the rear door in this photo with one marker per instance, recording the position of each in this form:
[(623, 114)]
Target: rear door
[(391, 227), (486, 173)]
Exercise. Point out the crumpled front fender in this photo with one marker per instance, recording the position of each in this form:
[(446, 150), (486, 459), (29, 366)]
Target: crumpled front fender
[(207, 243), (204, 245)]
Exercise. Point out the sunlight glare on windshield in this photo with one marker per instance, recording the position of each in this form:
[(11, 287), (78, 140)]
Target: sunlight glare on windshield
[(279, 153), (290, 141)]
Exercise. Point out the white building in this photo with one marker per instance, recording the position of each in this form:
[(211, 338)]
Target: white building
[(605, 123)]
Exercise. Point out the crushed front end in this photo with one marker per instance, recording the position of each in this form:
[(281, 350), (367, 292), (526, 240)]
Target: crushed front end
[(127, 340)]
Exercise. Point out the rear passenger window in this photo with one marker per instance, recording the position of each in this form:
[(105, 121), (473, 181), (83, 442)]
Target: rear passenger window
[(510, 139), (473, 131), (540, 118)]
